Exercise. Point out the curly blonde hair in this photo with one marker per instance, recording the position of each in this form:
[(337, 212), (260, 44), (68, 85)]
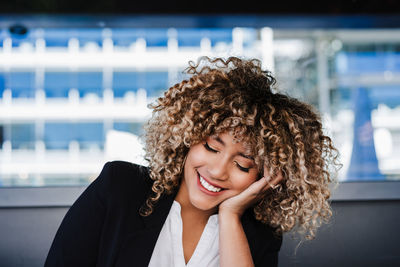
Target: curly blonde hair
[(236, 96)]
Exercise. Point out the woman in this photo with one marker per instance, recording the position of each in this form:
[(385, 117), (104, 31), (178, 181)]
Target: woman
[(232, 165)]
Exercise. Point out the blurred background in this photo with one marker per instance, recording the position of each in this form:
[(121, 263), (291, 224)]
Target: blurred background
[(74, 90), (76, 78)]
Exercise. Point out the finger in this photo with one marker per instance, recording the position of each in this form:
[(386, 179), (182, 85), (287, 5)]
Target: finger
[(265, 184), (272, 183), (268, 185), (257, 186), (253, 191), (277, 180)]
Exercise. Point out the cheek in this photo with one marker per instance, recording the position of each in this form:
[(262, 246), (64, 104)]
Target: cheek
[(195, 156), (242, 182)]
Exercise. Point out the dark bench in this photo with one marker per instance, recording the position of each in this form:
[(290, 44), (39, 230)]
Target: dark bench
[(363, 231)]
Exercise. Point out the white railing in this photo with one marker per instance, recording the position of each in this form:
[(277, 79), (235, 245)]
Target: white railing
[(41, 162)]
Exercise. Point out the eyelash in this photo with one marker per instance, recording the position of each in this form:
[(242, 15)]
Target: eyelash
[(242, 168), (207, 147)]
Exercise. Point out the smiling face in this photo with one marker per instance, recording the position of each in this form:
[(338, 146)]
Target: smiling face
[(215, 170)]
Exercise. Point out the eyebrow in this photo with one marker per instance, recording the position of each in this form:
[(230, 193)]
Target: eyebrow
[(219, 140)]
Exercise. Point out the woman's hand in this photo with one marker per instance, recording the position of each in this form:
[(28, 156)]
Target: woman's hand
[(234, 248), (236, 205)]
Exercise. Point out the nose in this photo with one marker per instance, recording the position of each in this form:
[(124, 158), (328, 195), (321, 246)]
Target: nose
[(218, 169)]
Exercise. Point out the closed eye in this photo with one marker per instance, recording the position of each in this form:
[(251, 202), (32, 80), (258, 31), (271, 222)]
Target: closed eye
[(242, 168), (209, 148)]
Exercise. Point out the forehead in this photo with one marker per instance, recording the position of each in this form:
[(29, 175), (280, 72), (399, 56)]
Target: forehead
[(226, 138)]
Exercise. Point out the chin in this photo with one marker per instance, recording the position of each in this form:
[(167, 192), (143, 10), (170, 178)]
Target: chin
[(204, 204)]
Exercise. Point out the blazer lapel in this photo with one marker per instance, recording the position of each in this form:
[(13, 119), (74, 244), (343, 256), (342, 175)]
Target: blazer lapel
[(160, 211), (138, 247)]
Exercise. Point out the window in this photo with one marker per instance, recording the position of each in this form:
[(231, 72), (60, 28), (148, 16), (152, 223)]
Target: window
[(60, 120)]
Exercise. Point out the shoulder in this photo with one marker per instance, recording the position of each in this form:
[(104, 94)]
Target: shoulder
[(123, 170), (121, 179)]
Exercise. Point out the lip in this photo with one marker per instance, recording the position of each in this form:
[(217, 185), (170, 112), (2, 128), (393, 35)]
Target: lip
[(204, 190)]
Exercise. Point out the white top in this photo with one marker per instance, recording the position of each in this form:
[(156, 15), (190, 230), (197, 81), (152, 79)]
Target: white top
[(168, 251)]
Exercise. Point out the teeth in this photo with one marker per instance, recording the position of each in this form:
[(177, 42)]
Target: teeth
[(208, 186)]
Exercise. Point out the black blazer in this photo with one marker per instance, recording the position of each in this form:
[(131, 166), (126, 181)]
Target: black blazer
[(103, 227)]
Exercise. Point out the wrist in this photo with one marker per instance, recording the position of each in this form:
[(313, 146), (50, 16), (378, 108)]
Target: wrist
[(226, 215)]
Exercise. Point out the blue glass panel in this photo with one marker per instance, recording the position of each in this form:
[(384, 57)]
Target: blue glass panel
[(22, 84), (90, 133), (155, 82), (135, 128), (124, 37), (250, 37), (57, 84), (89, 82), (2, 37), (192, 37), (58, 135), (88, 35), (352, 63), (388, 95), (60, 37), (23, 136), (153, 37), (220, 35), (124, 82), (57, 37), (2, 84)]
